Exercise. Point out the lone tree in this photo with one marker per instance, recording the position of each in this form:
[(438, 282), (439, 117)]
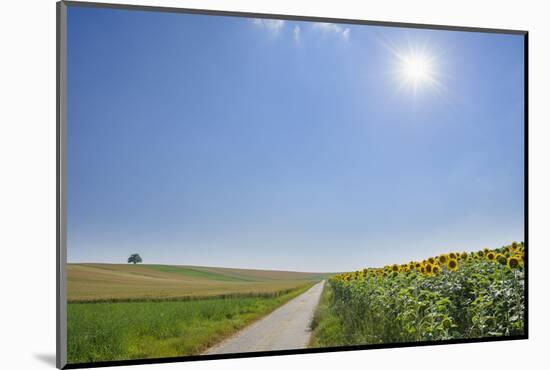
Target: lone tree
[(134, 258)]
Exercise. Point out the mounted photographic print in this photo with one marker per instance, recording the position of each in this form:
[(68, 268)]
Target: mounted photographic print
[(234, 184)]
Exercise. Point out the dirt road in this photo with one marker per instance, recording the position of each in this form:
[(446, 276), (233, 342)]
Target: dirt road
[(285, 328)]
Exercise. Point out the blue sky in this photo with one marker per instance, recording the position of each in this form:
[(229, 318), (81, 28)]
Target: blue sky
[(226, 141)]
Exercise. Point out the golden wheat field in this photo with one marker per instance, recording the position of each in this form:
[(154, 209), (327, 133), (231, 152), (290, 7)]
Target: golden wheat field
[(112, 282)]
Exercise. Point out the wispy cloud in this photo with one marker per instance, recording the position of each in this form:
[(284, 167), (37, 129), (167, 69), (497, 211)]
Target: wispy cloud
[(273, 25), (297, 34), (333, 28)]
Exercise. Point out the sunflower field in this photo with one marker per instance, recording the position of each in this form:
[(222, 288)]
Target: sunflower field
[(450, 296)]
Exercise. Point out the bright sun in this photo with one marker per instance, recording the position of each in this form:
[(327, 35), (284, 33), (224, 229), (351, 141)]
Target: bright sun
[(416, 70)]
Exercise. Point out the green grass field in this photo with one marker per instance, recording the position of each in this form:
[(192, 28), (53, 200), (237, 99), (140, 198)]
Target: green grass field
[(137, 330), (119, 312)]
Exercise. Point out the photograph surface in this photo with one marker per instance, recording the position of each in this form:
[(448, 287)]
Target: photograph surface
[(240, 184)]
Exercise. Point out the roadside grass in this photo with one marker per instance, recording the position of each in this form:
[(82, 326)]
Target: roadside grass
[(326, 327), (137, 330)]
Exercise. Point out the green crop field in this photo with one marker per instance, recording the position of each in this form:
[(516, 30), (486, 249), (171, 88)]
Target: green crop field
[(118, 312)]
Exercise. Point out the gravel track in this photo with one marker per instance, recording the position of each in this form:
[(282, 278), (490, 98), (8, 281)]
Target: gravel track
[(285, 328)]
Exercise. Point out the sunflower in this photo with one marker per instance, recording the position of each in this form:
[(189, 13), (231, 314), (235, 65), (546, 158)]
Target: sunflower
[(395, 268), (443, 259), (464, 256), (491, 256), (501, 259), (513, 262), (452, 256), (435, 270), (520, 257), (480, 253), (431, 260), (428, 268), (452, 265), (423, 269)]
